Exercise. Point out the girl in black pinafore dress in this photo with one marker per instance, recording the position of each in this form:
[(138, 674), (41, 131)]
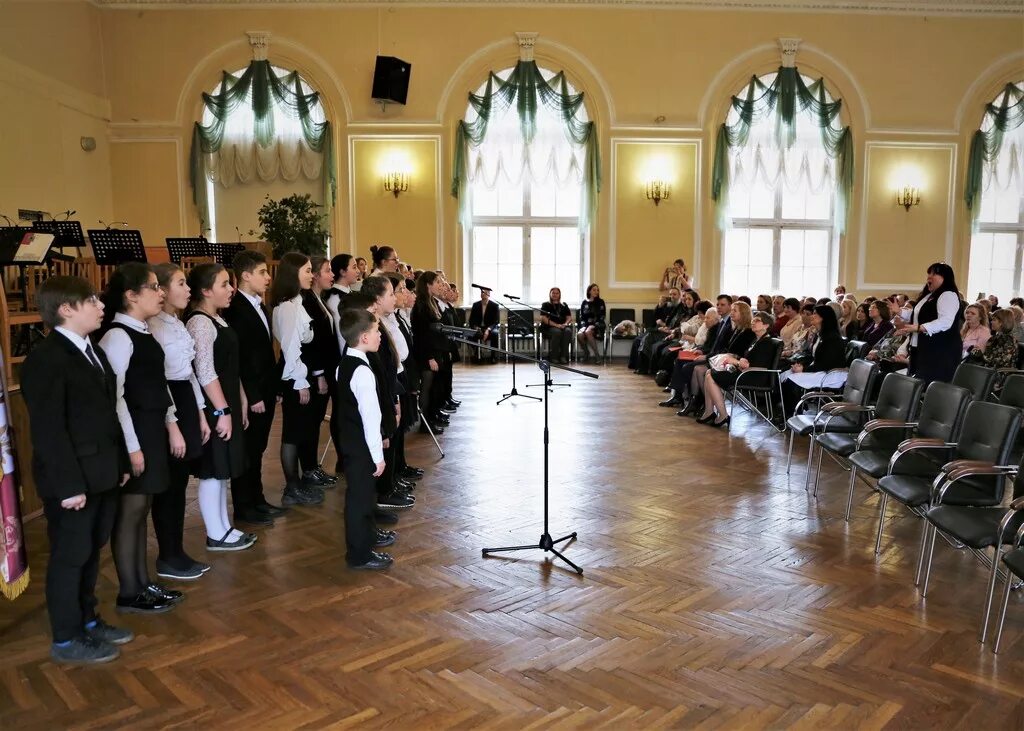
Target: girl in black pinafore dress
[(144, 409), (216, 367)]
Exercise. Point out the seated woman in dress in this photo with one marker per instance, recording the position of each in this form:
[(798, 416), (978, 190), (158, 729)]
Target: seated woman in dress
[(592, 322), (1001, 349), (740, 340), (976, 331), (861, 319), (828, 354), (877, 325), (759, 355), (557, 321)]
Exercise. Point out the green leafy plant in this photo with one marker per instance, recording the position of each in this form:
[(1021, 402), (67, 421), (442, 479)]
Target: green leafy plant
[(294, 223)]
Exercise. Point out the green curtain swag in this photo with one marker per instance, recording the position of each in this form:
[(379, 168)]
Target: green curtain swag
[(268, 90), (1004, 115), (785, 98), (524, 89)]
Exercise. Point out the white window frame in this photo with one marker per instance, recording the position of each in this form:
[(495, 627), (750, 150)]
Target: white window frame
[(1017, 228)]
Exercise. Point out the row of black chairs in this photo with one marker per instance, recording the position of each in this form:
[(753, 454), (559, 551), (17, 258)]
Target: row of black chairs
[(947, 454)]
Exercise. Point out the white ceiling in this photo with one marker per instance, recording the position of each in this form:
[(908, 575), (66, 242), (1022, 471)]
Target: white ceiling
[(911, 7)]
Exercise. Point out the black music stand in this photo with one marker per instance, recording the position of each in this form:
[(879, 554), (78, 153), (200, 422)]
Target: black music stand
[(225, 253), (178, 248), (117, 246), (66, 235)]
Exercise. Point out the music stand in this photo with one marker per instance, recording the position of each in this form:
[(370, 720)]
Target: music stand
[(225, 253), (67, 234), (117, 246), (186, 247)]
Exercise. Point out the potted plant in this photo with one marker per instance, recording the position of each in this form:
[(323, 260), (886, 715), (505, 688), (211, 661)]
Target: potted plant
[(294, 223)]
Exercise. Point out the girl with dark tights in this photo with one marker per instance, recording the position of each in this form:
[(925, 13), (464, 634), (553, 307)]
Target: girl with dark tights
[(187, 434), (144, 410)]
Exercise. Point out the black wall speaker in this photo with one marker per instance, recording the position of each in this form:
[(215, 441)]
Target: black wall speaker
[(391, 80)]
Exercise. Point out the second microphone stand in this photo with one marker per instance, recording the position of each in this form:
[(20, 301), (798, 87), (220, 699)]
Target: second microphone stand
[(521, 321)]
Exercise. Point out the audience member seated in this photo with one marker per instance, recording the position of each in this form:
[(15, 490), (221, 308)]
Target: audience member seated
[(689, 337), (764, 303), (802, 340), (727, 369), (1018, 330), (662, 313), (892, 353), (680, 320), (975, 332), (848, 324), (1001, 349), (484, 318), (839, 292), (787, 321), (663, 331), (592, 323), (719, 328), (675, 276), (556, 319), (878, 324), (741, 337), (828, 354)]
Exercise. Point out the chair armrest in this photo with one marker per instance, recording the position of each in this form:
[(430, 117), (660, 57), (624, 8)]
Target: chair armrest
[(846, 408), (827, 408), (910, 445), (1019, 537), (813, 396), (967, 468), (878, 424)]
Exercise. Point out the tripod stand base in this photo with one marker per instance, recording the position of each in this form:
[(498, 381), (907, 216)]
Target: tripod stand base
[(514, 392), (546, 544)]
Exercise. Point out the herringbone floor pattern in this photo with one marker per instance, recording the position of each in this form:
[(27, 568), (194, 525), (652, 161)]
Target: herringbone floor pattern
[(717, 594)]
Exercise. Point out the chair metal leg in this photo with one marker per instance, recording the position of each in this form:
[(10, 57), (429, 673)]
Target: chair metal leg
[(817, 470), (810, 459), (928, 561), (789, 458), (849, 499), (881, 522), (991, 590), (924, 543), (1002, 612)]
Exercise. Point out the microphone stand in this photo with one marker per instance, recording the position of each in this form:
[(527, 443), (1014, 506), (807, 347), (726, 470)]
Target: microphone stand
[(546, 543), (548, 382), (514, 391)]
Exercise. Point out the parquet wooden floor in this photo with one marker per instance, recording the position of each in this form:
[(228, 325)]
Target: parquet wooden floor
[(717, 594)]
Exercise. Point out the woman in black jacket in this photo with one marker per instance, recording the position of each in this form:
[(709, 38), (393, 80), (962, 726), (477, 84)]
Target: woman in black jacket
[(739, 342), (429, 346), (321, 355), (828, 353), (760, 354)]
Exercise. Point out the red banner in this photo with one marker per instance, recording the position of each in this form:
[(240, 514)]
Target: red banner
[(14, 574)]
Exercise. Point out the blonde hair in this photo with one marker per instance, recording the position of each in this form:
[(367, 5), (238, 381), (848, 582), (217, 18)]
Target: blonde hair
[(746, 315), (982, 317)]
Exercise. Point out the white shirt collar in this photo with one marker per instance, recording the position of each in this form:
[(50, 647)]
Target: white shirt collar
[(253, 299), (343, 288), (356, 353), (167, 317), (131, 322), (79, 342)]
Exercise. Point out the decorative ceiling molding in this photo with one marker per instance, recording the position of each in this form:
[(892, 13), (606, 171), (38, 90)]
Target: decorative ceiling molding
[(1001, 8)]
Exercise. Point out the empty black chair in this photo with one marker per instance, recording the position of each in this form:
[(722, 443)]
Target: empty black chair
[(1014, 562), (898, 401), (754, 383), (979, 528), (855, 349), (975, 378), (939, 423), (859, 385), (615, 316), (647, 319)]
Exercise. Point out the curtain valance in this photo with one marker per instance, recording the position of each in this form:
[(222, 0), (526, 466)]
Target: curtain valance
[(269, 154), (526, 90), (785, 99), (1004, 115)]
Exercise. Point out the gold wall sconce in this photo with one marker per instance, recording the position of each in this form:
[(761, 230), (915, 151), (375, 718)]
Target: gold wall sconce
[(657, 191), (396, 182), (908, 196)]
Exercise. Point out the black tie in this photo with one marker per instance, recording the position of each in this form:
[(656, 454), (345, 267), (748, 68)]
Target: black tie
[(93, 359)]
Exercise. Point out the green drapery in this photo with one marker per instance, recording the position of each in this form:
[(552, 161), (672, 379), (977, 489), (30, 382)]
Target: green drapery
[(1000, 118), (525, 88), (268, 91), (785, 98)]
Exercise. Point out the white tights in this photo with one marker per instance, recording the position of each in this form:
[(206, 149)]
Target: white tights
[(213, 506)]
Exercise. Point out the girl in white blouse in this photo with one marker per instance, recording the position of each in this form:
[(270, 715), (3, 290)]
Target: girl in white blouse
[(187, 434), (293, 329), (346, 274)]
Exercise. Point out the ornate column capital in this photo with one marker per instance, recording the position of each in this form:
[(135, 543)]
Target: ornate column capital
[(789, 47), (259, 41), (526, 42)]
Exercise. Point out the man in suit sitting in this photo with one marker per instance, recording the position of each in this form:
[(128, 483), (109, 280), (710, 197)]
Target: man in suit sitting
[(484, 319), (79, 461)]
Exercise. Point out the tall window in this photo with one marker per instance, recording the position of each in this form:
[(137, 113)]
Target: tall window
[(243, 172), (997, 246), (781, 206), (525, 236)]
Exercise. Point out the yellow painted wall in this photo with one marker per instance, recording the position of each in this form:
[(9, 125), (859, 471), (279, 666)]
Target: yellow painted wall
[(903, 79), (149, 201)]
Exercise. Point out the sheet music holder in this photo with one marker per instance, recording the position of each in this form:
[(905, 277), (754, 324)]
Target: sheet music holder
[(34, 248), (67, 234), (177, 248), (117, 246), (10, 240), (225, 253)]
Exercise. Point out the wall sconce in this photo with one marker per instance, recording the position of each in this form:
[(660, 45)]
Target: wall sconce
[(396, 182), (657, 191), (908, 196)]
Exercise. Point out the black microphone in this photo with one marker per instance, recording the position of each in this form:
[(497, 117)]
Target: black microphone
[(480, 286), (511, 297), (459, 332)]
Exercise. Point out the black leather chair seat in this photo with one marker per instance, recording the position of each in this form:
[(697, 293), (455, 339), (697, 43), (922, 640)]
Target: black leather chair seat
[(876, 463), (803, 424), (974, 527), (842, 444), (1014, 560), (913, 491)]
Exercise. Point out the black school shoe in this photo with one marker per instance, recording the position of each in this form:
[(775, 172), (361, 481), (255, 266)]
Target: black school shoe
[(377, 562), (385, 538), (165, 571), (395, 501), (169, 595), (411, 473), (84, 650), (272, 511), (144, 603), (103, 632)]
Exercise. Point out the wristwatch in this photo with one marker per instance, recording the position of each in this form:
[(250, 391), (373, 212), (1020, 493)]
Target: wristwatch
[(222, 412)]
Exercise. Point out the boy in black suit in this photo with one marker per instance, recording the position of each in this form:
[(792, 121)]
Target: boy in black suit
[(261, 379), (79, 462), (484, 319)]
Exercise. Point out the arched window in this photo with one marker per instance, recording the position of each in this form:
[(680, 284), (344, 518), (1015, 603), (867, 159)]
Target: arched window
[(997, 246), (782, 214), (525, 203), (277, 147)]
